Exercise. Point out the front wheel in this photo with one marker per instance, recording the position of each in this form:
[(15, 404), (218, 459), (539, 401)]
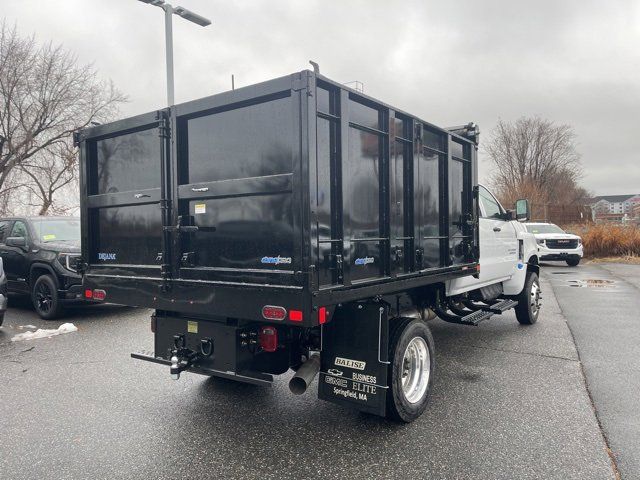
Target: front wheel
[(45, 298), (1, 318), (528, 307), (411, 355), (573, 262)]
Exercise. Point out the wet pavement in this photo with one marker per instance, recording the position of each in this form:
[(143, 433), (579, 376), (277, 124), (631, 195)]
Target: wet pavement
[(508, 401), (601, 303)]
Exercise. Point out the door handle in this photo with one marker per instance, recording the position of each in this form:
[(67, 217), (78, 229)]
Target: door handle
[(497, 229)]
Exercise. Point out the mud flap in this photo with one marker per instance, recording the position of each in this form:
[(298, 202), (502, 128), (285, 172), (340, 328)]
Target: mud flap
[(355, 350)]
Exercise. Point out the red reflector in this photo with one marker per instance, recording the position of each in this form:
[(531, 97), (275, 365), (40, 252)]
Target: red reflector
[(88, 294), (295, 315), (478, 268), (269, 339), (322, 315), (271, 312), (99, 294)]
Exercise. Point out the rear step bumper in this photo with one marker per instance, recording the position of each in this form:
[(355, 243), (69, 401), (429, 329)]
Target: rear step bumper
[(254, 378)]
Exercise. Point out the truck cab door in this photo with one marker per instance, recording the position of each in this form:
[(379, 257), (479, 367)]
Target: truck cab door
[(498, 240), (5, 229), (15, 258)]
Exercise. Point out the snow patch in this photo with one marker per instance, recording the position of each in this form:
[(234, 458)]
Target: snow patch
[(45, 333), (26, 326)]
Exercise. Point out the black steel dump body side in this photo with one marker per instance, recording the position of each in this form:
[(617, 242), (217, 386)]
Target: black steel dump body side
[(296, 192)]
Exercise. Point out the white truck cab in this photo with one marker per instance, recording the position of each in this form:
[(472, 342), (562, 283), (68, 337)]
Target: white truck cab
[(508, 254)]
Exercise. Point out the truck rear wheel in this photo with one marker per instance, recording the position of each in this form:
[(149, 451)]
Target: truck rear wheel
[(411, 356), (528, 306)]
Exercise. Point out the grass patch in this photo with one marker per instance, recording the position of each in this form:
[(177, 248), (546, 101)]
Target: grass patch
[(605, 241)]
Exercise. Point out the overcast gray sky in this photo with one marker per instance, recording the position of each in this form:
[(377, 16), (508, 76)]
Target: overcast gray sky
[(449, 62)]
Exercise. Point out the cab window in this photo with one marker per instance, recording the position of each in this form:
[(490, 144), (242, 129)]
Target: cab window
[(19, 230), (490, 206), (4, 230)]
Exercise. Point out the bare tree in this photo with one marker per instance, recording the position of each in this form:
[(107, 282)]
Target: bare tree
[(45, 95), (50, 173), (537, 159)]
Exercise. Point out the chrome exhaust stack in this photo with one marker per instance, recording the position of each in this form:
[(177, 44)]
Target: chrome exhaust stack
[(305, 375)]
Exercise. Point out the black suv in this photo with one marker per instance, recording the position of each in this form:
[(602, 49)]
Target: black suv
[(40, 256)]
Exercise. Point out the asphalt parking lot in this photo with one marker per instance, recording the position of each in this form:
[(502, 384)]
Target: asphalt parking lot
[(508, 402), (601, 305)]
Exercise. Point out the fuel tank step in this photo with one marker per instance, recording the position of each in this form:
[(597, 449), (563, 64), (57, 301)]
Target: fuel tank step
[(476, 317), (501, 306)]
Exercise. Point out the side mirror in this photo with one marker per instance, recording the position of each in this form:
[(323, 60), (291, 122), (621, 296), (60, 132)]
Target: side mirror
[(523, 211), (16, 242)]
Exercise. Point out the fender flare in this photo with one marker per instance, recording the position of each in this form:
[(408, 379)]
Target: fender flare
[(533, 264), (43, 266)]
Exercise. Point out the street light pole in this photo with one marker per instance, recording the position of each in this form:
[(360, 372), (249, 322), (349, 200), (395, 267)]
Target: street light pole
[(169, 10)]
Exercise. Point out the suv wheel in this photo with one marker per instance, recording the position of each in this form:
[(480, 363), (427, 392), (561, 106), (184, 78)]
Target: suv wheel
[(44, 296)]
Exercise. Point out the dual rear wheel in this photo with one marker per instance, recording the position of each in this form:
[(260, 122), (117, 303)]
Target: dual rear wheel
[(411, 353)]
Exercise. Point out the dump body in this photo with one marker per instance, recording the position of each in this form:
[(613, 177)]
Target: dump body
[(297, 192)]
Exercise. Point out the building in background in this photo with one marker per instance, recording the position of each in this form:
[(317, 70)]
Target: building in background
[(615, 208)]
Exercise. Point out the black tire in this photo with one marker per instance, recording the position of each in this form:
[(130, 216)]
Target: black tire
[(44, 296), (404, 331), (1, 318), (528, 307), (573, 262)]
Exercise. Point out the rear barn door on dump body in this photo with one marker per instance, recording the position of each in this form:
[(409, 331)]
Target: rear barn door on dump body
[(123, 180), (235, 176)]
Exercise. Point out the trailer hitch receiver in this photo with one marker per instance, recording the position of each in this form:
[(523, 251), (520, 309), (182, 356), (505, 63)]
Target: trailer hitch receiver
[(183, 358)]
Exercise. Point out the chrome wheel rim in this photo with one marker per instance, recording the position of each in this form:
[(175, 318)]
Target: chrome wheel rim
[(416, 368), (534, 299)]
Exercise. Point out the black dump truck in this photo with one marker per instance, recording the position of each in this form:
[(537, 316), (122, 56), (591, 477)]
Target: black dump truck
[(293, 224)]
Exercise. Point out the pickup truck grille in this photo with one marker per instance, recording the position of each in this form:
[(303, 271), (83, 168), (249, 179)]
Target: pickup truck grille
[(562, 243)]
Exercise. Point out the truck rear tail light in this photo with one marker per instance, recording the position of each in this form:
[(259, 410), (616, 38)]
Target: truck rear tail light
[(88, 293), (295, 315), (99, 294), (322, 315), (268, 339), (272, 312)]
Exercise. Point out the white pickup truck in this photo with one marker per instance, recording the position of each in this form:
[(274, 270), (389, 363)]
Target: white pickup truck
[(508, 261)]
